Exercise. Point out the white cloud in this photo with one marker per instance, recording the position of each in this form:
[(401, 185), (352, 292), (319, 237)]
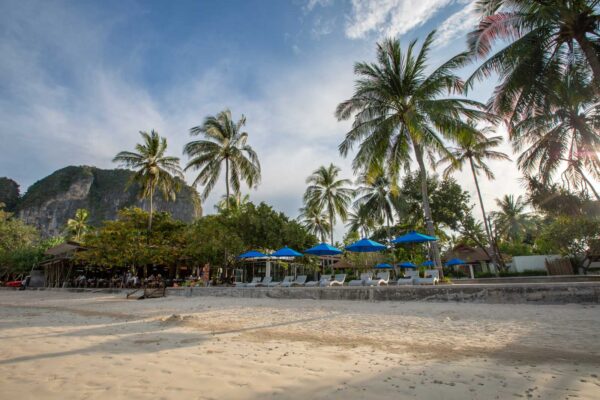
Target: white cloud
[(457, 25), (390, 17)]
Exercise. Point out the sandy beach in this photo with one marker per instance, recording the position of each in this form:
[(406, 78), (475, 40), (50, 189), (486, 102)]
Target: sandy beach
[(58, 345)]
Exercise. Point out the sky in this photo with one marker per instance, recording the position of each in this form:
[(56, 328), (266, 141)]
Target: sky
[(80, 79)]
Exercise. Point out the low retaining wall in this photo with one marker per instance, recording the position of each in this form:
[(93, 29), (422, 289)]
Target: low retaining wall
[(541, 293), (509, 293)]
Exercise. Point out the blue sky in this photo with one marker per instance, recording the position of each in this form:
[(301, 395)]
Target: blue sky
[(79, 79)]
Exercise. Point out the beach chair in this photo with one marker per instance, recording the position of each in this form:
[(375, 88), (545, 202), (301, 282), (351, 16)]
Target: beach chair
[(432, 277), (299, 281), (382, 278), (258, 282), (320, 282), (363, 278), (408, 278), (288, 278), (265, 282), (256, 279), (338, 280)]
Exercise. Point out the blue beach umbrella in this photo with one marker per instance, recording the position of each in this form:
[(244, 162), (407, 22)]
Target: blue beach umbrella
[(365, 246), (407, 264), (286, 252), (383, 266), (414, 237), (323, 249), (252, 254), (455, 261), (428, 263)]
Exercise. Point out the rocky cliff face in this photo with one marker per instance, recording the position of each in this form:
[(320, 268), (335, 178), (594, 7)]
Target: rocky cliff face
[(50, 202)]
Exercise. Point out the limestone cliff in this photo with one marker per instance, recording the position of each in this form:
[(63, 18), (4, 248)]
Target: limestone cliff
[(50, 202)]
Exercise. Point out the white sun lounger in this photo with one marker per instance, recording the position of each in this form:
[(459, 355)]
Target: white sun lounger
[(408, 278), (264, 281), (363, 278), (338, 280), (383, 278), (321, 282), (288, 278), (432, 277), (299, 281), (256, 279)]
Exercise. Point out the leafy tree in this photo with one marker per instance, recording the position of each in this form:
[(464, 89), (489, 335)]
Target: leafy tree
[(360, 220), (224, 142), (232, 203), (450, 203), (475, 150), (327, 192), (563, 133), (554, 200), (78, 226), (379, 196), (18, 241), (545, 39), (212, 239), (153, 169), (9, 193), (512, 221), (126, 241), (570, 237), (398, 108), (315, 221)]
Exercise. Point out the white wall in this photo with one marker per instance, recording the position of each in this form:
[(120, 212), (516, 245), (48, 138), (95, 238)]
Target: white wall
[(522, 263)]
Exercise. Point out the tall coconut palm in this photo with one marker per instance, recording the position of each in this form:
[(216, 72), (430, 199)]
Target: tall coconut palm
[(563, 134), (511, 220), (316, 221), (153, 169), (545, 38), (224, 143), (475, 150), (360, 219), (78, 226), (398, 108), (379, 194), (327, 192)]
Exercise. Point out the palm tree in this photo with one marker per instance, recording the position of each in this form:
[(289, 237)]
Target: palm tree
[(78, 226), (153, 169), (398, 109), (360, 219), (546, 38), (233, 203), (225, 142), (476, 150), (512, 221), (564, 133), (315, 220), (327, 192), (378, 194)]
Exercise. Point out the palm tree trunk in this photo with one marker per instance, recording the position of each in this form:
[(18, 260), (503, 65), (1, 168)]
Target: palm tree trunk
[(495, 256), (331, 225), (427, 209), (151, 206), (588, 183), (592, 58), (227, 183)]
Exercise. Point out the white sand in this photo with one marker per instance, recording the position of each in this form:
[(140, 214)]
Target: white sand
[(95, 346)]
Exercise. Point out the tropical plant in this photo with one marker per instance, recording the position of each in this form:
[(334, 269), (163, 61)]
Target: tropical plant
[(563, 133), (78, 226), (360, 219), (327, 192), (378, 195), (224, 143), (476, 149), (545, 39), (233, 203), (315, 220), (511, 220), (153, 169), (399, 108)]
